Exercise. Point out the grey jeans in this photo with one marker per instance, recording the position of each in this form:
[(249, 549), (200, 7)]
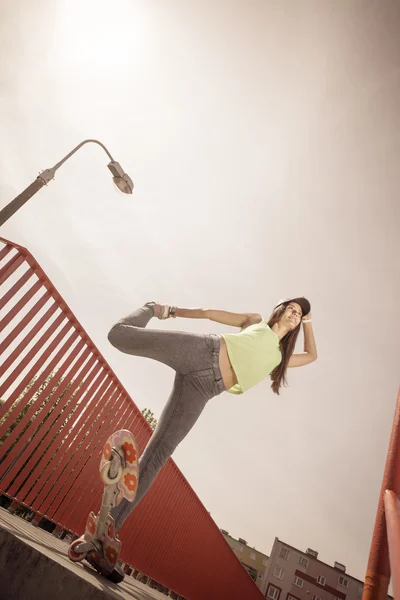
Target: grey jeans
[(195, 358)]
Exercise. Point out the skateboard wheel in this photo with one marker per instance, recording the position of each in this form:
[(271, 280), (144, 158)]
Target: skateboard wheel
[(116, 575), (73, 555), (104, 474)]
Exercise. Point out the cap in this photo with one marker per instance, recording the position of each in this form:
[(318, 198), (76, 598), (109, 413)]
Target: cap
[(302, 302)]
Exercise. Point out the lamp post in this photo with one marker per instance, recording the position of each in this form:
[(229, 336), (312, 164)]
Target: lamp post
[(120, 178)]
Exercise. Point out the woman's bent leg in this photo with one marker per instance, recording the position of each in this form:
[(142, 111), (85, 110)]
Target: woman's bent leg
[(183, 352)]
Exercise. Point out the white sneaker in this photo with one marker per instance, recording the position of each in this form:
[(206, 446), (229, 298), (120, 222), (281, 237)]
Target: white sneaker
[(161, 311)]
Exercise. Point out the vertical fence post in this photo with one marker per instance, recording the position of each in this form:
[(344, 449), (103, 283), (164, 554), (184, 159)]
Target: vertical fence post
[(377, 577), (392, 511)]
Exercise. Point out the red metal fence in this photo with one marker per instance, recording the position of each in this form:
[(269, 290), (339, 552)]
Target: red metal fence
[(392, 511), (384, 558), (61, 400)]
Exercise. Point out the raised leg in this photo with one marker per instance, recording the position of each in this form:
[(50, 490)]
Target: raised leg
[(182, 351)]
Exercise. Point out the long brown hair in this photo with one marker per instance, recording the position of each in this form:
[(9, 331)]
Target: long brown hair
[(287, 345)]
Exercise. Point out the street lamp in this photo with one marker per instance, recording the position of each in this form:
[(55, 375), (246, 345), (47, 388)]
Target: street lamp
[(121, 179)]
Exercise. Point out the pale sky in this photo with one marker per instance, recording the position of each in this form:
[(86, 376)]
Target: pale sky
[(263, 139)]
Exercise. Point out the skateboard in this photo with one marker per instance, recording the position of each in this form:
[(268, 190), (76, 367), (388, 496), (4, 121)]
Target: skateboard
[(119, 472)]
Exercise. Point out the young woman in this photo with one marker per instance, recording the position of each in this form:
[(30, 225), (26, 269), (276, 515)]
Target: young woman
[(207, 365)]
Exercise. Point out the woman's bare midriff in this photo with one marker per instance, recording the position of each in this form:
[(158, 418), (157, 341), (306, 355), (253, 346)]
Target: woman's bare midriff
[(228, 374)]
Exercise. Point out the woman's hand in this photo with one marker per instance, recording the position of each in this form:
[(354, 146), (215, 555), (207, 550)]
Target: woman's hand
[(310, 349)]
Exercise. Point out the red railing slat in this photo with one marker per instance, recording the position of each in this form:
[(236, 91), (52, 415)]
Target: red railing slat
[(26, 418), (10, 267), (36, 367), (41, 435), (6, 250), (20, 326), (46, 494), (20, 305), (15, 288)]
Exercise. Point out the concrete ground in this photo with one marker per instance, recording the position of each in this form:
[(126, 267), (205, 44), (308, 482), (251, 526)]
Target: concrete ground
[(34, 566)]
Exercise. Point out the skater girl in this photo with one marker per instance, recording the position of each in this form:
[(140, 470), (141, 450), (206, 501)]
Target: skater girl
[(207, 365)]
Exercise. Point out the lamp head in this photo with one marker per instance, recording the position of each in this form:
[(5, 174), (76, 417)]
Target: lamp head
[(121, 179)]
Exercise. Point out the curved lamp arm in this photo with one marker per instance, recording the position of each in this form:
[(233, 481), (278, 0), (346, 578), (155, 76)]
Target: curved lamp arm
[(120, 178)]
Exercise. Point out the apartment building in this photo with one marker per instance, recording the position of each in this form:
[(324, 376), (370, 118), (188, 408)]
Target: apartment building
[(253, 561), (292, 574)]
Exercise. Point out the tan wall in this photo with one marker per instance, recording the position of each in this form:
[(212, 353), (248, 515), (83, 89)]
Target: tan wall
[(244, 553)]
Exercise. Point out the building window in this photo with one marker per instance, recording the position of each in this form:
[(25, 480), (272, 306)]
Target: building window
[(321, 580), (265, 562), (360, 592), (273, 592), (303, 562), (253, 556), (343, 581), (284, 553), (261, 576), (316, 597), (240, 548), (291, 597), (298, 581), (278, 573)]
